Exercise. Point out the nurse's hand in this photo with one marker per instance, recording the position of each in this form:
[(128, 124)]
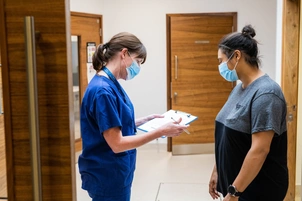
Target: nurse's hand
[(153, 116), (172, 129)]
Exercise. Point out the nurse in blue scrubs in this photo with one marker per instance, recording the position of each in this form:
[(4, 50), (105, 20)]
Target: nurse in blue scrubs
[(108, 125)]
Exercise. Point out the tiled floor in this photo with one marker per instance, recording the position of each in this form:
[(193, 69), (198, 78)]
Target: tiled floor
[(159, 176)]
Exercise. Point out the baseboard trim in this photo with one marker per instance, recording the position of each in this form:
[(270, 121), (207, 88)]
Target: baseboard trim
[(187, 149), (298, 193)]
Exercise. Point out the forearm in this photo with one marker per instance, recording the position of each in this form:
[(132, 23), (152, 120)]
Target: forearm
[(140, 121), (250, 168), (134, 141), (119, 143)]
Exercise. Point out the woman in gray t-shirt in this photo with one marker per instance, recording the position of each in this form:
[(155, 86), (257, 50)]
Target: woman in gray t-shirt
[(250, 129)]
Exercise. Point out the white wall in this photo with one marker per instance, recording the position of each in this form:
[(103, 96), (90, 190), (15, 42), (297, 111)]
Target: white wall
[(147, 20), (87, 6)]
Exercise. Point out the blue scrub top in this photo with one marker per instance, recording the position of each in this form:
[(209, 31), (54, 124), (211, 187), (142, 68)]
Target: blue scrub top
[(106, 105)]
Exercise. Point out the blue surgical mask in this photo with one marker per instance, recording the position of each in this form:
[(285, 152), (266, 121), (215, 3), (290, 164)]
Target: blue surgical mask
[(226, 73), (132, 70)]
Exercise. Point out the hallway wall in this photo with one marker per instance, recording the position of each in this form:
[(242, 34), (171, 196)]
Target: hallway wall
[(147, 19)]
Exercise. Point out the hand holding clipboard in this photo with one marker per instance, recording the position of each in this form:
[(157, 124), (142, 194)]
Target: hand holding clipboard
[(169, 116)]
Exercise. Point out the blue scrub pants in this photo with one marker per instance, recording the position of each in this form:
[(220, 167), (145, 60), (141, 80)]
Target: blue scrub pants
[(113, 198)]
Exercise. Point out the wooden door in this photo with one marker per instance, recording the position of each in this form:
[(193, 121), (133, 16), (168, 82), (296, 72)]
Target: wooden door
[(87, 28), (51, 19), (196, 85)]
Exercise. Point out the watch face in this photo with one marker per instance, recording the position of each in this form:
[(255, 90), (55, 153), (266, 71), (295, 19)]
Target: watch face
[(231, 190)]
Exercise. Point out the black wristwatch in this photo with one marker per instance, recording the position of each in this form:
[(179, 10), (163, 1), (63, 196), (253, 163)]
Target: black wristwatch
[(233, 191)]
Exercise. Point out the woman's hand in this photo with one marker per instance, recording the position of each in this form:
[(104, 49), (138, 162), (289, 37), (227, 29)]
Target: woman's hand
[(213, 184), (153, 116), (230, 198), (172, 129)]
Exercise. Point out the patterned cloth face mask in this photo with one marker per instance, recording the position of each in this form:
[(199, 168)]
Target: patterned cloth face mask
[(226, 73)]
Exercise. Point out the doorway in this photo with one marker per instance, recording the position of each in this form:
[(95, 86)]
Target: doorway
[(194, 83), (86, 34)]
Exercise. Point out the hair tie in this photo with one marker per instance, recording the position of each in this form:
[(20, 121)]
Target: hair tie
[(246, 34), (105, 46)]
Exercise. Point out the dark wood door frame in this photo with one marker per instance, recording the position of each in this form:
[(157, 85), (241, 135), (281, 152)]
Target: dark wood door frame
[(86, 15)]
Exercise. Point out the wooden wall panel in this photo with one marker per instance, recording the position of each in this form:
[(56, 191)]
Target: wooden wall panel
[(290, 62), (52, 20)]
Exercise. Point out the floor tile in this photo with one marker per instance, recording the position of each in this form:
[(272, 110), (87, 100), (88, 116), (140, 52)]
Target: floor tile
[(158, 168), (183, 191)]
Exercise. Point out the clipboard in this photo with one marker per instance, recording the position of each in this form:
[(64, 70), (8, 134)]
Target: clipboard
[(168, 117)]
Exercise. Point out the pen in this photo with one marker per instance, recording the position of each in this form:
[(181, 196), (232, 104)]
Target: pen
[(178, 124)]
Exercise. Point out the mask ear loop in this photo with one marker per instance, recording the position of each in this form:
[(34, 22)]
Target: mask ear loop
[(224, 46), (231, 56), (130, 57), (236, 62), (235, 66), (124, 63)]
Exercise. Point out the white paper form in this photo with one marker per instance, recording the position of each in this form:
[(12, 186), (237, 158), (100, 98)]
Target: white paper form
[(168, 117)]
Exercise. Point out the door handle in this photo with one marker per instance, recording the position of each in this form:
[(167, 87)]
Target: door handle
[(175, 97), (290, 112), (30, 43), (176, 67)]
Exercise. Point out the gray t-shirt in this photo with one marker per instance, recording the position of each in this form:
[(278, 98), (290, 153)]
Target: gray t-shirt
[(259, 107)]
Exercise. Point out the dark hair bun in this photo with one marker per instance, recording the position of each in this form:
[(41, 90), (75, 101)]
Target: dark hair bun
[(248, 30)]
